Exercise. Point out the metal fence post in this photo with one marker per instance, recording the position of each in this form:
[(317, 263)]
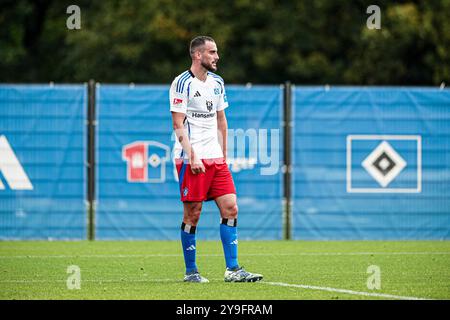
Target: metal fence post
[(287, 137), (91, 123)]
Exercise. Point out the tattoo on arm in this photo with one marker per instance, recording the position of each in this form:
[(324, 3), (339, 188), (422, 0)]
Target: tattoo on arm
[(180, 139)]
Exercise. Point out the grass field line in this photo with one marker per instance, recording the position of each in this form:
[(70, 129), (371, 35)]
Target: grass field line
[(221, 255), (358, 293)]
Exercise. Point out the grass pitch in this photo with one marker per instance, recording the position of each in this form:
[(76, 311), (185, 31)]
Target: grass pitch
[(291, 269)]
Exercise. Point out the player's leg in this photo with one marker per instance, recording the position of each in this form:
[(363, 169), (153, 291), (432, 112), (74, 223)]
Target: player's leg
[(193, 189), (191, 216), (227, 205), (222, 190)]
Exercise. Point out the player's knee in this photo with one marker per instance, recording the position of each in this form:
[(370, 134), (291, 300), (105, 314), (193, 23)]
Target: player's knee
[(232, 211), (192, 218), (193, 214)]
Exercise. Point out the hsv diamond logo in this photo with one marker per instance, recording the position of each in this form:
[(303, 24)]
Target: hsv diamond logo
[(384, 164)]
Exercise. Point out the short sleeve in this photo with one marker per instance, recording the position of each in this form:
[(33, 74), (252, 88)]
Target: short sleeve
[(178, 99), (223, 101)]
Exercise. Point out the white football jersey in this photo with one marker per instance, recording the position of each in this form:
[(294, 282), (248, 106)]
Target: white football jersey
[(199, 101)]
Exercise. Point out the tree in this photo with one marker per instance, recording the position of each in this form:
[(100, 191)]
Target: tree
[(264, 41)]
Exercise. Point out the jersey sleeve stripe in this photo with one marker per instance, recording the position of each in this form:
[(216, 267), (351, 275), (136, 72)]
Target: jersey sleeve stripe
[(216, 76), (180, 79), (188, 88), (221, 86), (184, 82)]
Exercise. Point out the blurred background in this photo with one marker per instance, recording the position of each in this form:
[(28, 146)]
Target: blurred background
[(354, 121), (264, 41)]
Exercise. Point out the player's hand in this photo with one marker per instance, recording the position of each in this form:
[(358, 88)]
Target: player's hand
[(197, 166)]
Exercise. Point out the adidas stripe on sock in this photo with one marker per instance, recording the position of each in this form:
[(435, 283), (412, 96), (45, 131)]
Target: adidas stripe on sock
[(228, 235), (188, 243)]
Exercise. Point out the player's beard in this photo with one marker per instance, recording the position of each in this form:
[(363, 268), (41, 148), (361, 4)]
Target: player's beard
[(209, 66)]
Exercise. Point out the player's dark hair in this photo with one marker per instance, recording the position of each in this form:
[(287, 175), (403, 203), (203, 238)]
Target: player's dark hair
[(198, 42)]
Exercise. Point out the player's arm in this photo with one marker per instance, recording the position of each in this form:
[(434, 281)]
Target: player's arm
[(183, 137), (222, 126), (178, 107)]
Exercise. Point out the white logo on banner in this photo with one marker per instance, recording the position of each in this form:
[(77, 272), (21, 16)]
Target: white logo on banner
[(384, 164), (11, 168)]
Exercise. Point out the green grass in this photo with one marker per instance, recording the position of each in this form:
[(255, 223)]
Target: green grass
[(154, 269)]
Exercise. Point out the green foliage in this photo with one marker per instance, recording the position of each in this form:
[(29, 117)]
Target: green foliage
[(264, 41)]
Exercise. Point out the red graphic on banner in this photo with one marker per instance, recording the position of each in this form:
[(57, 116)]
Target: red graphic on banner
[(137, 161)]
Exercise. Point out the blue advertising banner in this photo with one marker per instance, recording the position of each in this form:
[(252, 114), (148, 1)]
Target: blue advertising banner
[(368, 163), (255, 154), (136, 188), (137, 183), (42, 161), (371, 163)]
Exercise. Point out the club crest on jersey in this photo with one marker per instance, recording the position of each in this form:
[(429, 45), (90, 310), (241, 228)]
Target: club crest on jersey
[(216, 91), (209, 105)]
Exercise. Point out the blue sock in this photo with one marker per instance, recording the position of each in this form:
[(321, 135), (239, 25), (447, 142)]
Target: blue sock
[(189, 247), (228, 234)]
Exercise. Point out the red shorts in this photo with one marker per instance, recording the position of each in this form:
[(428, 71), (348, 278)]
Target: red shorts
[(216, 181)]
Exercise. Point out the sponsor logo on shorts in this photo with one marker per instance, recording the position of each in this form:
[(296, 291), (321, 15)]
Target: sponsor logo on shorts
[(185, 191)]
